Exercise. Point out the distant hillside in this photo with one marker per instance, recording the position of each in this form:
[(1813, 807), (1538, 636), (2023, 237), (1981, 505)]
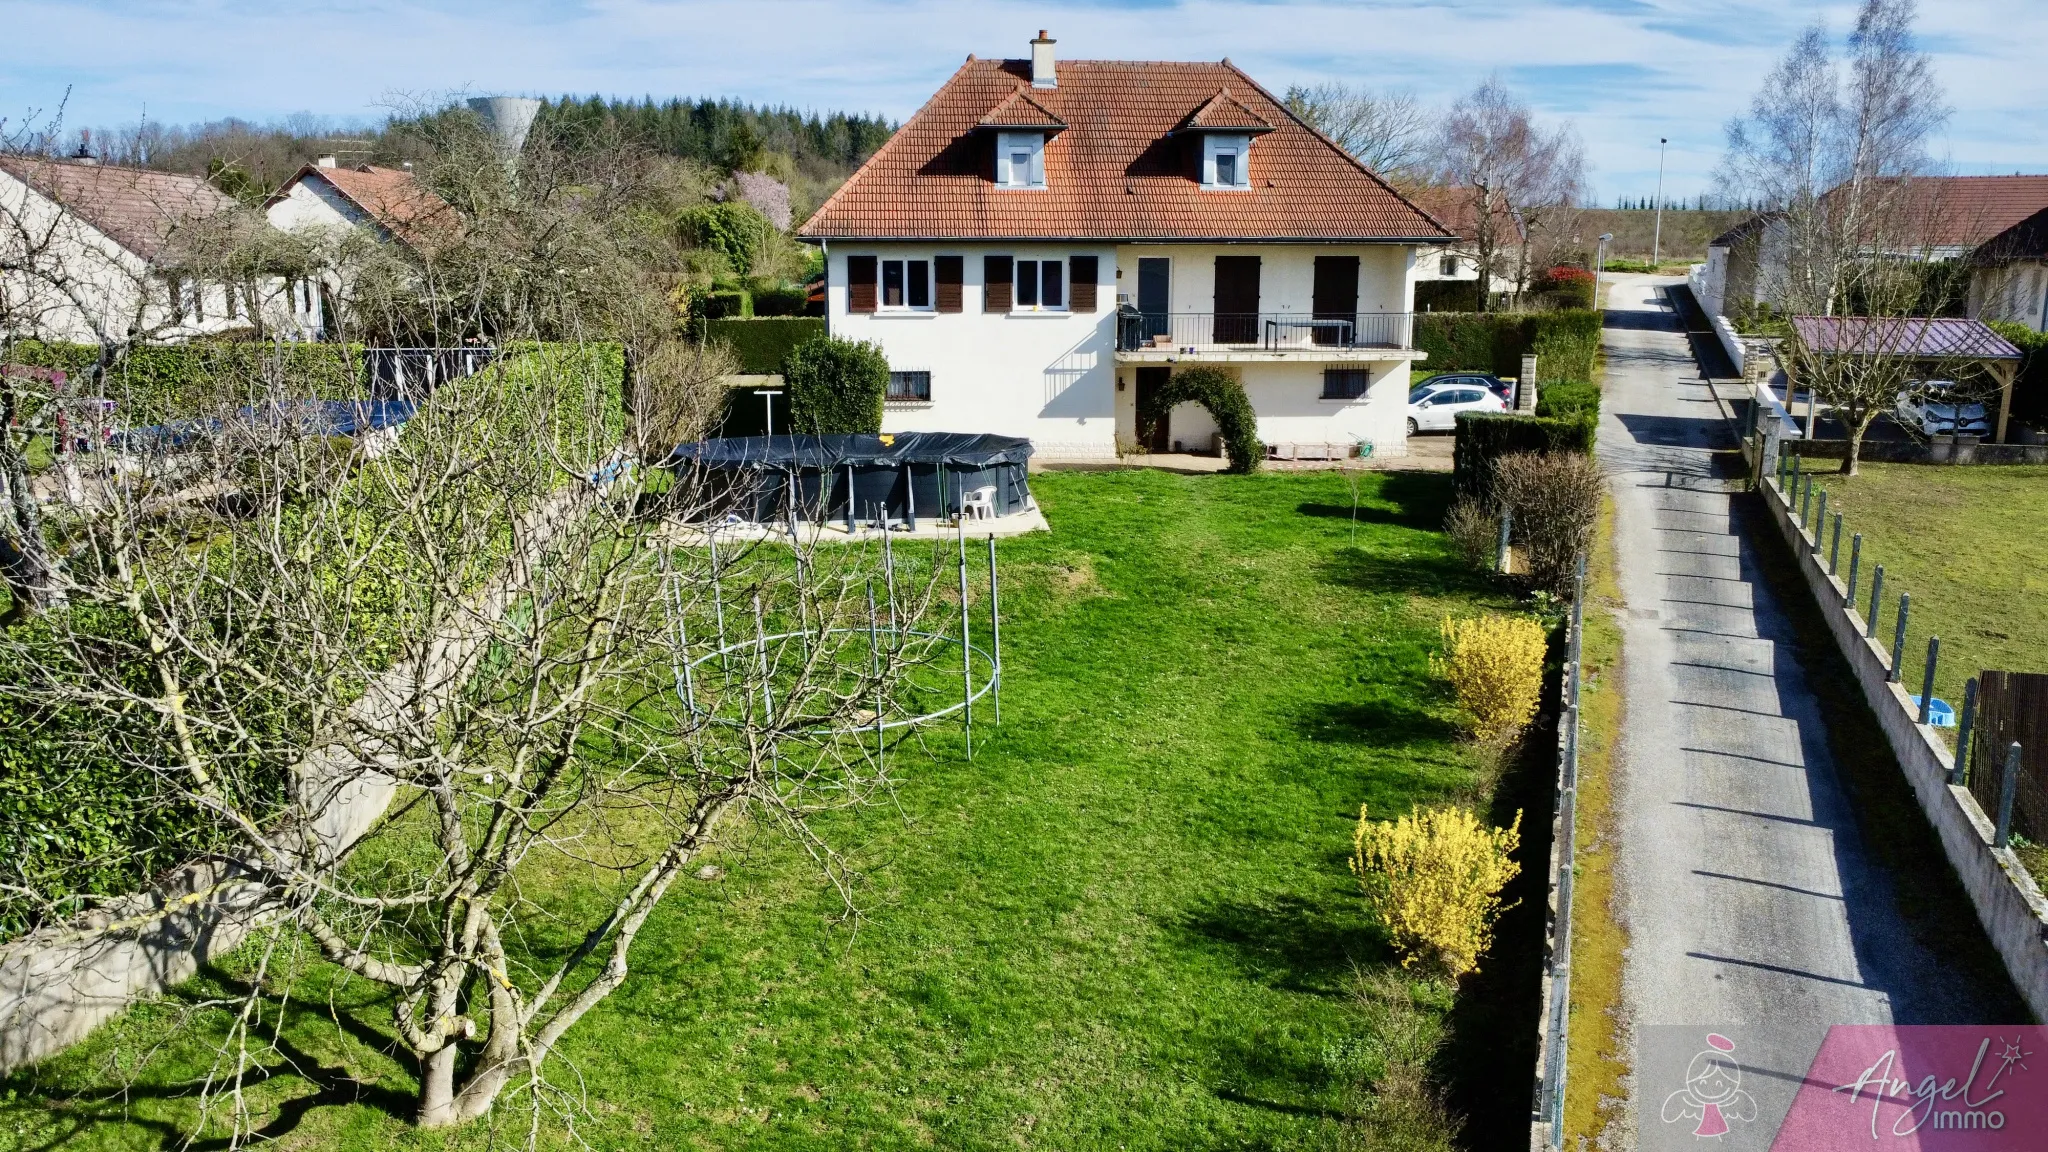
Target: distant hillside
[(1686, 231)]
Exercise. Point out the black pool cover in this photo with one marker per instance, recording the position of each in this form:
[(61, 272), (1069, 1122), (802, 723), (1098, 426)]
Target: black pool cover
[(859, 477)]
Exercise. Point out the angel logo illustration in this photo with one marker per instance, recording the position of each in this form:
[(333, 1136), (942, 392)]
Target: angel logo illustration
[(1713, 1094)]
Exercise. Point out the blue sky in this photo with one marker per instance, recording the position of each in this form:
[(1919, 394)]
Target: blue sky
[(1625, 71)]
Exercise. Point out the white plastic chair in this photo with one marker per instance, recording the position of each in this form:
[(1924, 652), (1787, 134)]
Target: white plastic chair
[(979, 504)]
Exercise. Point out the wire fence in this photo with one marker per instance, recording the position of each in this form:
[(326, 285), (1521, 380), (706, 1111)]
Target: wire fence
[(1554, 1067)]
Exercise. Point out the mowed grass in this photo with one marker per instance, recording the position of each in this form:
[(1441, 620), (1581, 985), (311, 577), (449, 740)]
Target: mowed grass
[(1126, 923)]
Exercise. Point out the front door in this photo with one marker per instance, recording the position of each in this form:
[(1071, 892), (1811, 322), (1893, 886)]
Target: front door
[(1155, 275), (1150, 381), (1237, 300)]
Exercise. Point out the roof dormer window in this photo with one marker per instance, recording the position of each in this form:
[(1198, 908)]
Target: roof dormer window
[(1020, 159), (1226, 161)]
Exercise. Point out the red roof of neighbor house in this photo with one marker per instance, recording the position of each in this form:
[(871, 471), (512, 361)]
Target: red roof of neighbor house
[(1118, 172), (137, 208), (391, 196), (1454, 206), (1917, 337)]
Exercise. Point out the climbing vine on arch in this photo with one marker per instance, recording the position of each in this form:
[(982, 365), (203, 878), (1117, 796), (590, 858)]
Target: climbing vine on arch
[(1220, 393)]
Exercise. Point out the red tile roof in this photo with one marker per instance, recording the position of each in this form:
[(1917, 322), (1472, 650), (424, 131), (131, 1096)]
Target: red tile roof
[(1117, 172), (1021, 111), (1224, 111), (404, 207), (137, 208), (1965, 211), (1910, 336)]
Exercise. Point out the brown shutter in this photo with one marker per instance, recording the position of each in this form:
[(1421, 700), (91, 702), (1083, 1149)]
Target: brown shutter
[(996, 274), (860, 283), (1081, 283), (950, 271)]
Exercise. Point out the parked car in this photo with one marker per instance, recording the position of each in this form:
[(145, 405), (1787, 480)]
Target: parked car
[(1934, 408), (1502, 388), (1433, 405)]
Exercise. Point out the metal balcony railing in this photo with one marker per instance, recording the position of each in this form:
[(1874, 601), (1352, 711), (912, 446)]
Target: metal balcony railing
[(1263, 331)]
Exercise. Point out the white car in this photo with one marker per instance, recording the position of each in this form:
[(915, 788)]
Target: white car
[(1932, 408), (1434, 406)]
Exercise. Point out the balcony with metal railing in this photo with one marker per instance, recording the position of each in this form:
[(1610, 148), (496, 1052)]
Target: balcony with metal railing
[(1244, 336)]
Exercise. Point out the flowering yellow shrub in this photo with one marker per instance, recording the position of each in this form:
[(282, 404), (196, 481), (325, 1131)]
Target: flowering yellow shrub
[(1434, 878), (1495, 664)]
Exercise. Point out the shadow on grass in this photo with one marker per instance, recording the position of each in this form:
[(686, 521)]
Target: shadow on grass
[(1371, 571), (1488, 1062), (1376, 723), (273, 1055), (1288, 942)]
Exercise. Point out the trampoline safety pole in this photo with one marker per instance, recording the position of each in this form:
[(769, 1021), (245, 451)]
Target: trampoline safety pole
[(875, 670), (889, 576), (849, 499), (995, 629), (909, 499), (966, 652)]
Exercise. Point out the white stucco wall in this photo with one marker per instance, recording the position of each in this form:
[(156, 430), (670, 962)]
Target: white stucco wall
[(1046, 376), (2016, 292)]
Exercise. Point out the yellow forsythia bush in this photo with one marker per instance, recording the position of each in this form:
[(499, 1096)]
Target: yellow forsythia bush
[(1434, 878), (1495, 664)]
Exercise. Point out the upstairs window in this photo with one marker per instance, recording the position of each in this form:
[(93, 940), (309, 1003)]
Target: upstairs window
[(1449, 267), (1020, 159), (1226, 161), (1041, 285), (907, 284)]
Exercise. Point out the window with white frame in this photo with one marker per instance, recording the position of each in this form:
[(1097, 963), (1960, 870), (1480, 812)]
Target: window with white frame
[(1226, 161), (1041, 286), (906, 284), (910, 386), (1020, 159), (1448, 267)]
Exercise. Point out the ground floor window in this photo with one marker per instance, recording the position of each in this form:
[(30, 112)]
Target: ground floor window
[(1345, 383), (910, 386)]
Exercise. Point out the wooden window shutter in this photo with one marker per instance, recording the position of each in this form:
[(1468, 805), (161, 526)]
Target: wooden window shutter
[(1081, 283), (948, 271), (860, 283), (996, 274)]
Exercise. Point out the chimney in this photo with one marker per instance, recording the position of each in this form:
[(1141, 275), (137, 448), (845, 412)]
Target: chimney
[(84, 154), (326, 162), (1041, 62)]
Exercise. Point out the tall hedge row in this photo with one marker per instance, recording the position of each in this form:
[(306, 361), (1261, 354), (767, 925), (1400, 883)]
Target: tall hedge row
[(1566, 343), (76, 818), (761, 343), (2030, 388), (835, 386), (1484, 437), (162, 382)]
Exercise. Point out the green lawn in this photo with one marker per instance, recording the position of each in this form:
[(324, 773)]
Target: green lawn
[(1968, 544), (1125, 924)]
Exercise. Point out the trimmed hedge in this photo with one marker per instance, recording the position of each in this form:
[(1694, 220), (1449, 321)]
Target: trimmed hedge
[(763, 343), (1484, 437), (835, 386), (1223, 395), (1568, 401), (1495, 341), (164, 382), (1447, 295), (2030, 387)]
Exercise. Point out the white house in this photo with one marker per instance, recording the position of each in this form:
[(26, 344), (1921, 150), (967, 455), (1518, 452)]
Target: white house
[(326, 201), (1458, 262), (1046, 242), (95, 252)]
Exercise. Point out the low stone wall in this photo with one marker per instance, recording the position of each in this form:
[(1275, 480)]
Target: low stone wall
[(1916, 452), (2008, 902)]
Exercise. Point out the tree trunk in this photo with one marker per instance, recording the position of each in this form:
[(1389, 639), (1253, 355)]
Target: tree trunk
[(437, 1088), (1854, 456)]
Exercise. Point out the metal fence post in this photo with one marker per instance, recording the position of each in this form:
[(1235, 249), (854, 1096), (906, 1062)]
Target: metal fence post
[(1876, 591), (1899, 635), (1820, 519), (1959, 772), (1927, 679), (1835, 549), (2007, 791), (1500, 554), (1806, 502), (1855, 562)]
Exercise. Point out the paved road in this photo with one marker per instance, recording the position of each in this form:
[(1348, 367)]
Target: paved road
[(1749, 900)]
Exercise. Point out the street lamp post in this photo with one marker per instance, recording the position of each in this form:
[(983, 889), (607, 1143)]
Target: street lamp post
[(1657, 236), (1600, 266)]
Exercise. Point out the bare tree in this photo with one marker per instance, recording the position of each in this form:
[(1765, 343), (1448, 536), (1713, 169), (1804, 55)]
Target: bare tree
[(1491, 147), (1388, 131), (1834, 152)]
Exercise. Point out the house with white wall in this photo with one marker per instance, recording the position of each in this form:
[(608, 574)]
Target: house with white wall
[(99, 253), (1458, 262), (1045, 242), (331, 203)]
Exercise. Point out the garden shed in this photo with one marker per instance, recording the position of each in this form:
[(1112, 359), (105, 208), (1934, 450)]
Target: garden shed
[(862, 478)]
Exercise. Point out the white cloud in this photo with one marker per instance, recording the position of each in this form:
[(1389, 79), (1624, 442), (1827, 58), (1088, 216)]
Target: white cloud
[(1626, 71)]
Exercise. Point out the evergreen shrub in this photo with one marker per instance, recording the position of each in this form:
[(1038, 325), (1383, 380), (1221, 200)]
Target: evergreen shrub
[(1223, 395), (763, 342), (835, 386), (1484, 437)]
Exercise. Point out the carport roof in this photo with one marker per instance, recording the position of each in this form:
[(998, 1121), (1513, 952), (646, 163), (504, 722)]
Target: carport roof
[(1915, 337)]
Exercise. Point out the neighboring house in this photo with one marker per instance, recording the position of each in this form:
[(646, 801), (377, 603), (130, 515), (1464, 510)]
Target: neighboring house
[(1453, 207), (96, 252), (1044, 243), (327, 199), (2009, 277), (1980, 218)]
